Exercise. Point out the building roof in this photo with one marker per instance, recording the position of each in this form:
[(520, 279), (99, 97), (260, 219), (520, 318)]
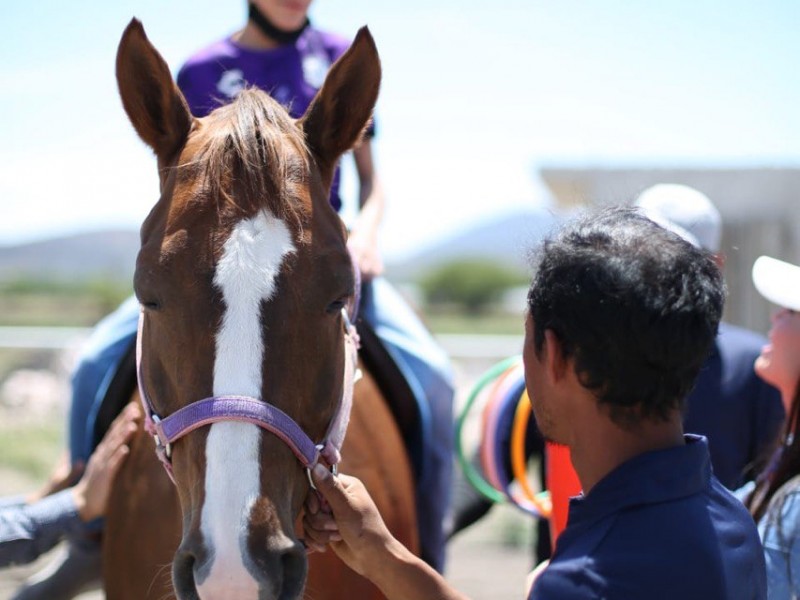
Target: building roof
[(739, 193)]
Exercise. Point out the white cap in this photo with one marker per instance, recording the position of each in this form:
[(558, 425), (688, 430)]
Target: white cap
[(684, 211), (777, 281)]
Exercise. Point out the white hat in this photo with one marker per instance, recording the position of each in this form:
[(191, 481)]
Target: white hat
[(777, 281), (685, 211)]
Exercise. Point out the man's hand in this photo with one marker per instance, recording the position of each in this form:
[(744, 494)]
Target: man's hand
[(351, 525), (356, 532), (92, 491)]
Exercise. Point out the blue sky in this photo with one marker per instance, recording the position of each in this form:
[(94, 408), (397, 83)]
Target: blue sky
[(475, 96)]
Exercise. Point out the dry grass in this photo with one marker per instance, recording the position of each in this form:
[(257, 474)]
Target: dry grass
[(30, 451)]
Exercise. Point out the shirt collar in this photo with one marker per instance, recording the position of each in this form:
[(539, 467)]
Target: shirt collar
[(652, 477)]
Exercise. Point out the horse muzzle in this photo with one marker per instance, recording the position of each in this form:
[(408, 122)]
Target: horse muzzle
[(278, 573)]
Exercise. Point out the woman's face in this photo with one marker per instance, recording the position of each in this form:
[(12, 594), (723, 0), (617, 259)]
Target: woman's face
[(286, 15), (779, 362)]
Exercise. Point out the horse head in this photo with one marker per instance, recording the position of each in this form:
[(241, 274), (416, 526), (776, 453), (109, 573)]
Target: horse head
[(242, 276)]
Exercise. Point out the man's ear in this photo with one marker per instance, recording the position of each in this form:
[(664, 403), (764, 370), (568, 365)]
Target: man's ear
[(555, 363)]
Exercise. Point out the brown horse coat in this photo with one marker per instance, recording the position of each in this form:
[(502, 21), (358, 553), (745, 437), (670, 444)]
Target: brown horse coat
[(242, 274)]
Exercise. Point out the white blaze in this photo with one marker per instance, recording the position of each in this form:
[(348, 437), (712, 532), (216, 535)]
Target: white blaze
[(246, 276)]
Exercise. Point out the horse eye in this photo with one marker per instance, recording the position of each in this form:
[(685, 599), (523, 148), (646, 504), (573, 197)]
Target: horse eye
[(150, 305), (336, 306)]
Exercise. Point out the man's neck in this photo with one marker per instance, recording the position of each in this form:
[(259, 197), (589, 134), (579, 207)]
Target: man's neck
[(599, 446)]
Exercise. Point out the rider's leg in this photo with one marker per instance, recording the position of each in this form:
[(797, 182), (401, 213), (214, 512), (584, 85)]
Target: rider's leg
[(428, 369), (99, 359)]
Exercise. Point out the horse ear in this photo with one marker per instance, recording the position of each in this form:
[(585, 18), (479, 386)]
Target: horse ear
[(341, 110), (155, 105)]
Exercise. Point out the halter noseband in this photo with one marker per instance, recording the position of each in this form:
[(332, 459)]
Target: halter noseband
[(252, 410)]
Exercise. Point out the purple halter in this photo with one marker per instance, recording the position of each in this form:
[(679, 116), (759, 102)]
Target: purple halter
[(252, 410)]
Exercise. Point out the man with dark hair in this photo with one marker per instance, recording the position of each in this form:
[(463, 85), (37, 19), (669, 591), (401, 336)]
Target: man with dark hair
[(622, 314), (637, 316)]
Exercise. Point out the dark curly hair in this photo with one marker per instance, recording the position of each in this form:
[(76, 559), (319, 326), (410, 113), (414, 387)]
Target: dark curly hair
[(635, 306)]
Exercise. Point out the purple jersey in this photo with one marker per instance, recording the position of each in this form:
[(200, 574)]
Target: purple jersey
[(291, 74)]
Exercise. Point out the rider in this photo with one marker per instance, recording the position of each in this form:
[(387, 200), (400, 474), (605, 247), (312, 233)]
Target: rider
[(280, 51)]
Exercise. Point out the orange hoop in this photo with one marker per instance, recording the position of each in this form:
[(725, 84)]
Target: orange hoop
[(518, 459)]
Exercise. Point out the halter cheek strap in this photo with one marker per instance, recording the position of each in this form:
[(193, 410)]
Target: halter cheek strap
[(246, 409)]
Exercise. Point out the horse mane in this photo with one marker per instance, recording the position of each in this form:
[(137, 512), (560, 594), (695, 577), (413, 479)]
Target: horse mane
[(255, 157)]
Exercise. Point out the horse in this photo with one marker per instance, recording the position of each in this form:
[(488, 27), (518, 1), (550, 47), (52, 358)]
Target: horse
[(244, 279)]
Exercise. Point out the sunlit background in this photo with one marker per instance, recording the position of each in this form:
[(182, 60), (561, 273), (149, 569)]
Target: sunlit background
[(495, 118), (476, 96)]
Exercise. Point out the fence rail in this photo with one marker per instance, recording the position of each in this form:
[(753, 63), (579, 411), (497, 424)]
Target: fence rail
[(480, 346), (466, 346), (54, 338)]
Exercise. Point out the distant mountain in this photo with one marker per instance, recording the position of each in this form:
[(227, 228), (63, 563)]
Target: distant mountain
[(507, 239), (81, 256)]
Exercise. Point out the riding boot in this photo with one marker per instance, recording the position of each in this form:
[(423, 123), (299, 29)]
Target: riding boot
[(76, 568)]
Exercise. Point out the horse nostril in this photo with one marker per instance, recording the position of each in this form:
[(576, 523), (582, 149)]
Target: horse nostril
[(183, 575), (281, 570), (295, 565)]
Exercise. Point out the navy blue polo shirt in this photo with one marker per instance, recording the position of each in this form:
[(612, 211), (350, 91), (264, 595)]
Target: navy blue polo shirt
[(734, 408), (659, 526)]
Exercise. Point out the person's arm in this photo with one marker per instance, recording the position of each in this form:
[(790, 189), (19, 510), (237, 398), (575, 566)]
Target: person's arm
[(358, 535), (779, 529), (28, 530), (92, 491), (363, 240)]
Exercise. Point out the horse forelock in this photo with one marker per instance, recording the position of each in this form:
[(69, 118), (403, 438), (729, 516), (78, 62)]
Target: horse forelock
[(253, 157)]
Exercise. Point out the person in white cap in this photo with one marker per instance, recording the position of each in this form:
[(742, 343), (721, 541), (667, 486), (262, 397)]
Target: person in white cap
[(685, 211), (738, 412), (774, 499)]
